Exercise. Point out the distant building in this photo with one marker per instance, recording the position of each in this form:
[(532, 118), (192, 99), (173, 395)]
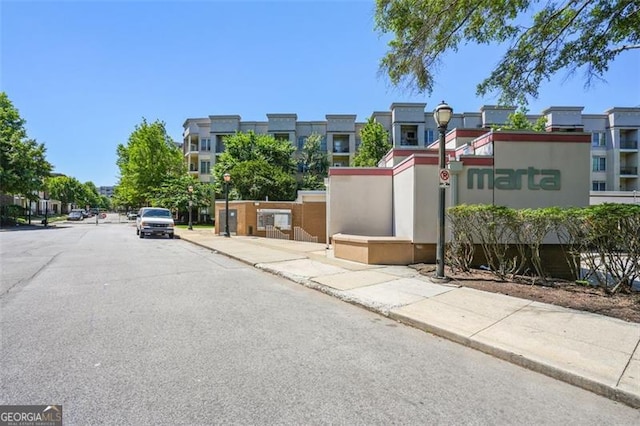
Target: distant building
[(106, 191), (615, 157)]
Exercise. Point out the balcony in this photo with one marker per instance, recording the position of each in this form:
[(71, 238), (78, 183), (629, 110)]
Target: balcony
[(628, 171), (632, 145), (340, 149)]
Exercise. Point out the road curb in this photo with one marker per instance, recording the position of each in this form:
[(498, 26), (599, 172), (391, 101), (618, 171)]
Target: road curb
[(571, 378), (594, 386)]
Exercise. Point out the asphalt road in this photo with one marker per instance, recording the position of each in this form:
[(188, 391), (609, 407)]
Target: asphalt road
[(122, 330)]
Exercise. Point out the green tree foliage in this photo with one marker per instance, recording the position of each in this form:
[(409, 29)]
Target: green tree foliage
[(23, 163), (314, 162), (519, 121), (68, 190), (145, 162), (260, 166), (374, 144), (174, 193), (543, 37)]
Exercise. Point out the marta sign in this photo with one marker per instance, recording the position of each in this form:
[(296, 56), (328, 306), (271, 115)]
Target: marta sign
[(509, 179)]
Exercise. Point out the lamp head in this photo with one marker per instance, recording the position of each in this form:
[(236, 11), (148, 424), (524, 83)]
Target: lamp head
[(442, 114), (190, 188), (227, 177)]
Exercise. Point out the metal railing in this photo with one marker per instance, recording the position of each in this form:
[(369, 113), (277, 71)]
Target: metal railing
[(628, 144), (273, 232), (300, 234), (628, 170)]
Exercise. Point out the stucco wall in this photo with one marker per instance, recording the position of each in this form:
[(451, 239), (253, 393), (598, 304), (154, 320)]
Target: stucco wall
[(404, 188), (360, 204)]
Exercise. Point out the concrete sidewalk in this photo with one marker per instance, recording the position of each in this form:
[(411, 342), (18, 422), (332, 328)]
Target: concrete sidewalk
[(594, 352)]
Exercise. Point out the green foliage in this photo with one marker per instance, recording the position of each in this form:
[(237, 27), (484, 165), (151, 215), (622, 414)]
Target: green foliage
[(68, 190), (374, 144), (585, 34), (24, 166), (174, 193), (314, 163), (149, 158), (519, 121), (604, 239), (260, 166)]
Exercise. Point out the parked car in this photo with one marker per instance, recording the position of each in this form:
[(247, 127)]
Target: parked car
[(131, 215), (154, 221), (75, 215)]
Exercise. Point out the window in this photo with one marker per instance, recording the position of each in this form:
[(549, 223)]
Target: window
[(301, 140), (599, 164), (281, 136), (429, 136), (205, 167), (597, 140), (220, 143), (205, 144), (278, 218), (598, 185)]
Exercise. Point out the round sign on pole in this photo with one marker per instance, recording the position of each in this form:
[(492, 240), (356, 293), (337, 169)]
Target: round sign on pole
[(445, 177)]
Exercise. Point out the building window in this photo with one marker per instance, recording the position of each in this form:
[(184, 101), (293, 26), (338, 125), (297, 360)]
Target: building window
[(340, 144), (599, 164), (301, 140), (205, 144), (323, 144), (220, 143), (597, 140), (281, 136), (205, 167), (598, 185), (429, 136), (408, 135)]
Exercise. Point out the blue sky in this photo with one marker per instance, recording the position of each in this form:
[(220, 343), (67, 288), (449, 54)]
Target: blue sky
[(84, 73)]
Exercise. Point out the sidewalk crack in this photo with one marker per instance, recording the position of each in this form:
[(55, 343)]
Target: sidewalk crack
[(501, 319)]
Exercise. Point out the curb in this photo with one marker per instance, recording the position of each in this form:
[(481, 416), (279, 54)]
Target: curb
[(594, 386)]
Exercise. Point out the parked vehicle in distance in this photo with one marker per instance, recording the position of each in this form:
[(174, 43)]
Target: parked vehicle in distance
[(75, 215), (154, 221), (131, 215)]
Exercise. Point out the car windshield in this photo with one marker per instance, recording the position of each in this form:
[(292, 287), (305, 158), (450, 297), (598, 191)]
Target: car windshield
[(157, 213)]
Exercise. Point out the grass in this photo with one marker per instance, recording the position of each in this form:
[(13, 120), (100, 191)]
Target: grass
[(195, 226)]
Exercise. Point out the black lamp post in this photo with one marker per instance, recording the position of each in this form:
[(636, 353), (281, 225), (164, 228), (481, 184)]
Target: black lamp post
[(46, 209), (227, 179), (442, 115), (190, 189)]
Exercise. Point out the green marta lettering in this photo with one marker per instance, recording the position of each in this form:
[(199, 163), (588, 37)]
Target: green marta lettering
[(509, 179)]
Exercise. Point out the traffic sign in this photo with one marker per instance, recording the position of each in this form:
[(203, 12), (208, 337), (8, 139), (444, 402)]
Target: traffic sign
[(445, 178)]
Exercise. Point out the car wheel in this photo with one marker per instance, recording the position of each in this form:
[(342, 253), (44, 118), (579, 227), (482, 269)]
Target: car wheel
[(137, 231), (171, 236), (141, 234)]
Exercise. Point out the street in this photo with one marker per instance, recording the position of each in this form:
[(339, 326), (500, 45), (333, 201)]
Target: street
[(122, 330)]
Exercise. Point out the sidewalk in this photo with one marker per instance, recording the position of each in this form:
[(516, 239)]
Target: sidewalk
[(594, 352)]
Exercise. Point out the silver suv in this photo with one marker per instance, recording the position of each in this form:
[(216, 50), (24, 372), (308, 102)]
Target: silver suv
[(154, 220)]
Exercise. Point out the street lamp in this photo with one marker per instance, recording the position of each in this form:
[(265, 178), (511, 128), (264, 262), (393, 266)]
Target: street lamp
[(227, 179), (190, 189), (46, 209), (442, 115)]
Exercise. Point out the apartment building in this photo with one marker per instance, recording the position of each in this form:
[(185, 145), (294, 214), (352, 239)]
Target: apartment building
[(615, 154)]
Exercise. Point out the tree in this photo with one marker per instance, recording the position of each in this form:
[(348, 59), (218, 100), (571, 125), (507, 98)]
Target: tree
[(313, 162), (260, 166), (571, 35), (148, 159), (518, 121), (375, 144), (23, 163), (174, 193), (68, 190)]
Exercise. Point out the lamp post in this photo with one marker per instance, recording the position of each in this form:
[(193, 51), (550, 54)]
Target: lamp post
[(46, 209), (190, 189), (442, 115), (227, 179)]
